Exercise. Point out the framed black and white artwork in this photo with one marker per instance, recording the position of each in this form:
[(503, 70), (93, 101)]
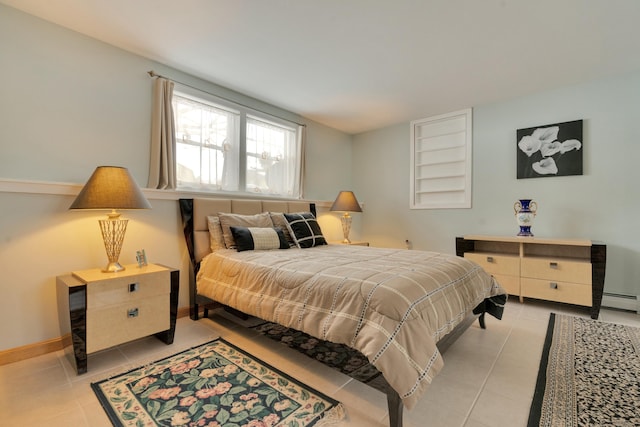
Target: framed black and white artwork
[(550, 150)]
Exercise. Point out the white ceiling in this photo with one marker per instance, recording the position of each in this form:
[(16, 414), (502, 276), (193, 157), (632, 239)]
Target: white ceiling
[(358, 65)]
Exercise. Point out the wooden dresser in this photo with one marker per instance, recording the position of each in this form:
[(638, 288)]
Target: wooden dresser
[(563, 270)]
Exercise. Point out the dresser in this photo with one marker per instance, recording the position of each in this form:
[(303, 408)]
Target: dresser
[(98, 310), (563, 270)]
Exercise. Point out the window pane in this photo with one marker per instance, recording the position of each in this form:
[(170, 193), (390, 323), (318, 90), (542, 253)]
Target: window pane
[(206, 139), (271, 158)]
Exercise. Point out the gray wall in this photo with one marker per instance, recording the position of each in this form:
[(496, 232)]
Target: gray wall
[(600, 205), (69, 103)]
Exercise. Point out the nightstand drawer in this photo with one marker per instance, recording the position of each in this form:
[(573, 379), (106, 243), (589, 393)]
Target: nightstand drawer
[(116, 324), (557, 270), (119, 290), (496, 264), (572, 293)]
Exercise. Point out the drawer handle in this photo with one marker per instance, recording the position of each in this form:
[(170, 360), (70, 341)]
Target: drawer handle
[(134, 287), (489, 259), (132, 312), (553, 285), (553, 265)]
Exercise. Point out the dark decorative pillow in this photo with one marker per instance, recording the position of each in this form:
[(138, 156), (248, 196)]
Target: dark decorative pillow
[(255, 238), (305, 230), (280, 221)]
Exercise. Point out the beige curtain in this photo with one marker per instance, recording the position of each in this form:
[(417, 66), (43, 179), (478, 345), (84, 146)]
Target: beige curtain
[(162, 168), (302, 141)]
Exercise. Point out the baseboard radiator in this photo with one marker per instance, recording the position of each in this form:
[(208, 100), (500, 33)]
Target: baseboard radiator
[(622, 302)]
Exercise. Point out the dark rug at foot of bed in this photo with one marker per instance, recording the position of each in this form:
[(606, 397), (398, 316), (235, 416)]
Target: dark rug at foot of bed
[(337, 356)]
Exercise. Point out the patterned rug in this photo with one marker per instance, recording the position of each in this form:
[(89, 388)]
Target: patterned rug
[(589, 375), (337, 356), (215, 384)]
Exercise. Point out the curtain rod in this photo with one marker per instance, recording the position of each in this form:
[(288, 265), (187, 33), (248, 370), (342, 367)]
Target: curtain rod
[(154, 74)]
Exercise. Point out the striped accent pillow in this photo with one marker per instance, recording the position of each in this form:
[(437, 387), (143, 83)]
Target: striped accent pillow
[(257, 238), (305, 230)]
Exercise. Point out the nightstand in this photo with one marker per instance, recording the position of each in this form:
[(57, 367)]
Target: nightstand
[(100, 310), (353, 243)]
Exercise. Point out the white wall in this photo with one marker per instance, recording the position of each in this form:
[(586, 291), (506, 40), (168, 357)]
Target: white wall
[(600, 205), (69, 103)]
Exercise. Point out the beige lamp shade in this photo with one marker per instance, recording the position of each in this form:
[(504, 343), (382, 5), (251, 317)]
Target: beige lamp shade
[(346, 202), (110, 187)]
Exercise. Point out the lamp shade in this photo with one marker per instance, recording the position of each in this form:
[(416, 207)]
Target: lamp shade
[(346, 202), (110, 187)]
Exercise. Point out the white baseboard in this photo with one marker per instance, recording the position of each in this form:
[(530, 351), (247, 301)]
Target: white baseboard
[(622, 302)]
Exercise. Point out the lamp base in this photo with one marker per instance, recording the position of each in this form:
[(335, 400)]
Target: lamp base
[(113, 230), (346, 227), (113, 267)]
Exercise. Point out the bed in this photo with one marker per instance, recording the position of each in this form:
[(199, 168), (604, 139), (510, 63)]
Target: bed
[(400, 308)]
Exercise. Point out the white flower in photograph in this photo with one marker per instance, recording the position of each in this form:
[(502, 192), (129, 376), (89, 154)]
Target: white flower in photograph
[(532, 143), (570, 144), (546, 166), (548, 149), (529, 145)]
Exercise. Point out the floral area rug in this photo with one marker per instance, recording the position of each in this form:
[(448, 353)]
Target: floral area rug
[(337, 356), (589, 375), (213, 385)]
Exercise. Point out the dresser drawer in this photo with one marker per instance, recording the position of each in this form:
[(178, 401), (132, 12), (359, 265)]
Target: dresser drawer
[(511, 284), (117, 324), (119, 290), (567, 292), (557, 270), (496, 264)]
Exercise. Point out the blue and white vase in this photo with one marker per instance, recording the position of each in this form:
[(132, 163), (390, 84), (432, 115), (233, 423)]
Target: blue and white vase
[(525, 210)]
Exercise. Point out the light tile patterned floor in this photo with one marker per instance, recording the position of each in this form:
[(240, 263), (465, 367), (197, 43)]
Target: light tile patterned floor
[(488, 379)]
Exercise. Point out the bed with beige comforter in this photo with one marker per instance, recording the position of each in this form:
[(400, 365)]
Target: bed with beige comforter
[(392, 305)]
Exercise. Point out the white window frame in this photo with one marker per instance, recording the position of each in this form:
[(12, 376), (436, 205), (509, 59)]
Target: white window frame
[(244, 113), (441, 160)]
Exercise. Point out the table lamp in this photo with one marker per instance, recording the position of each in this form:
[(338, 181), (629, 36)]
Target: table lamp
[(111, 187), (346, 202)]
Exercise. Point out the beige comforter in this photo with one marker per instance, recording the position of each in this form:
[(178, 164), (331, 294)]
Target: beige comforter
[(392, 305)]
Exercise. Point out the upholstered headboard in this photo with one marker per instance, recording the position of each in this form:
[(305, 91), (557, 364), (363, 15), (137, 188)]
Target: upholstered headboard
[(195, 212)]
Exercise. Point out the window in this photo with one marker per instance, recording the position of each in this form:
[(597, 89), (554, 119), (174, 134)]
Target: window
[(223, 147), (271, 154), (441, 161)]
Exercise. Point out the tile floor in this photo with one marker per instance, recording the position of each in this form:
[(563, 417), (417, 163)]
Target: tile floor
[(488, 379)]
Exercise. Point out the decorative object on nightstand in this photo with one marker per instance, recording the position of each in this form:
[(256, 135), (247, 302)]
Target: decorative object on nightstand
[(346, 202), (111, 188), (99, 310), (525, 210)]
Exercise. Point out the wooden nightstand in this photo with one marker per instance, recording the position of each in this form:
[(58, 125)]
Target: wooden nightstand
[(353, 243), (100, 310)]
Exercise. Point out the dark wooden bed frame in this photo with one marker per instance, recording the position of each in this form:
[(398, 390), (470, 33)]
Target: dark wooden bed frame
[(197, 301)]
